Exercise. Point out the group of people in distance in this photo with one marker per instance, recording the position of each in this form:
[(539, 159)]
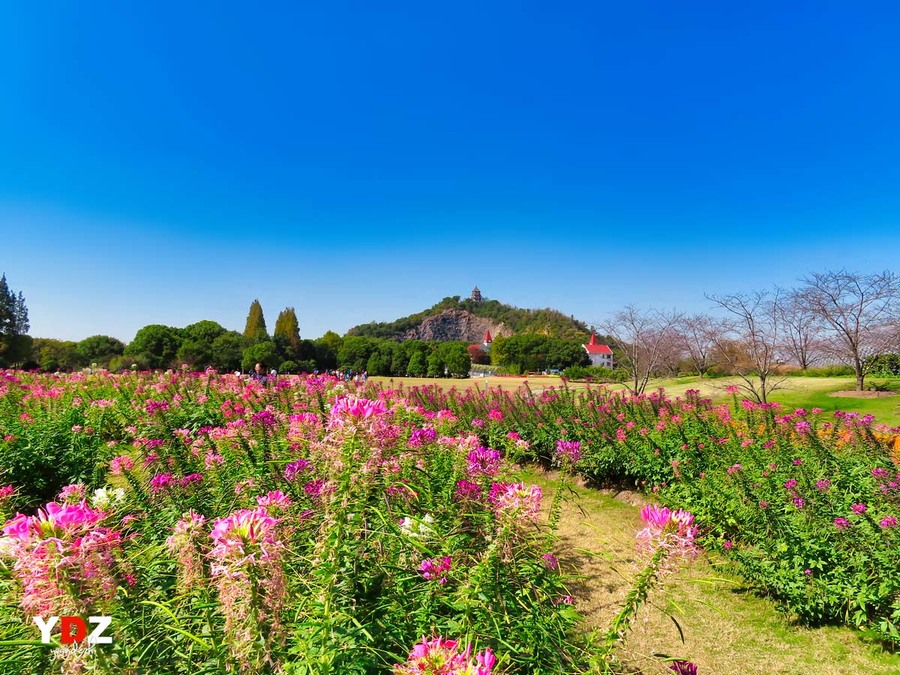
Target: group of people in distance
[(260, 375)]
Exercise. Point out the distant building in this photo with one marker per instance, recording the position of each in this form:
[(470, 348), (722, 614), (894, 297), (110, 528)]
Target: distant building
[(486, 344), (600, 355), (476, 295)]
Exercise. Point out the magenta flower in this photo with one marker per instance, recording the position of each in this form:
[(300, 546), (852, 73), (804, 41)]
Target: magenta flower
[(120, 464), (514, 501), (734, 468), (674, 530), (859, 509), (683, 668), (443, 657), (483, 462), (888, 522), (161, 482), (275, 498), (246, 568), (63, 560), (432, 568), (568, 452), (354, 408), (550, 561), (185, 544), (191, 478), (71, 494), (823, 485), (421, 437), (264, 418), (156, 406), (790, 484), (466, 490), (294, 469)]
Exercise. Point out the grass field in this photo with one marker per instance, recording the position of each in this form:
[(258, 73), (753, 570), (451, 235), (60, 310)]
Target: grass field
[(727, 629), (794, 392)]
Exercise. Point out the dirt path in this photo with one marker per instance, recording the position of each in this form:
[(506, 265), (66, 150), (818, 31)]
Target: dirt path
[(726, 628)]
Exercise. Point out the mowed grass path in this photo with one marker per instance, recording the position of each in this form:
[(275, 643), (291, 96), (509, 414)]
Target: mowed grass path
[(793, 392), (727, 629)]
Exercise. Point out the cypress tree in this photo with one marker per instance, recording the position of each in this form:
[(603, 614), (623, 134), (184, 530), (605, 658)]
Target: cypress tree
[(13, 325), (287, 328), (256, 323)]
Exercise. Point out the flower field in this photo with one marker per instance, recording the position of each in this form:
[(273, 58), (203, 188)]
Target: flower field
[(313, 526)]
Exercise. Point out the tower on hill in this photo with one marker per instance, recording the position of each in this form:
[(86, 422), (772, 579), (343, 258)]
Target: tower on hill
[(476, 295)]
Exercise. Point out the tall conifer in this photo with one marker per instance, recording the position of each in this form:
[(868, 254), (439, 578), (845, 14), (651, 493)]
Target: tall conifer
[(256, 323), (287, 328)]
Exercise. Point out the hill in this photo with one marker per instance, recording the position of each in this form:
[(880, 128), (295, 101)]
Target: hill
[(467, 320)]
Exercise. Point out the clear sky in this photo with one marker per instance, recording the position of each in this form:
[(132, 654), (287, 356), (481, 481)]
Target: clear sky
[(169, 162)]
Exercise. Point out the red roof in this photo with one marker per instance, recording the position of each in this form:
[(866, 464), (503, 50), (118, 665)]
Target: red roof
[(593, 347), (487, 337)]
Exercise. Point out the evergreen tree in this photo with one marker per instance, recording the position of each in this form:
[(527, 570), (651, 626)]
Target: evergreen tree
[(256, 323), (14, 346), (287, 332)]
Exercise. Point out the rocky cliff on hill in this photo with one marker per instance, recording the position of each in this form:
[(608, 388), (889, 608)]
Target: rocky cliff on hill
[(455, 324)]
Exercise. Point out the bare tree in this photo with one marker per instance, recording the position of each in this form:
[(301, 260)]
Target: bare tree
[(861, 313), (645, 338), (698, 336), (802, 341), (750, 340)]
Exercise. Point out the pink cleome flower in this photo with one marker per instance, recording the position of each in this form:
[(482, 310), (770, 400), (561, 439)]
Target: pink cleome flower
[(443, 657), (434, 568), (674, 530), (515, 500)]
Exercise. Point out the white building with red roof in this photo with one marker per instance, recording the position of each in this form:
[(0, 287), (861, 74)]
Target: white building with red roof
[(600, 355), (486, 345)]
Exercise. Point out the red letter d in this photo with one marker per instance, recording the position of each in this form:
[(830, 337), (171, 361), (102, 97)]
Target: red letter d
[(80, 629)]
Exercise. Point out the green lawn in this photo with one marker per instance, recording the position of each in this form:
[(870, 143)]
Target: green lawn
[(802, 392), (726, 627)]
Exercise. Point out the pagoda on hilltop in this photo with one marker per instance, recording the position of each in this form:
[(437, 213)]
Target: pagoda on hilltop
[(476, 296), (600, 355)]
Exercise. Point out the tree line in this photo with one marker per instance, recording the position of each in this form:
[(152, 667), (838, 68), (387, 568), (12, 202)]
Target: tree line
[(830, 317)]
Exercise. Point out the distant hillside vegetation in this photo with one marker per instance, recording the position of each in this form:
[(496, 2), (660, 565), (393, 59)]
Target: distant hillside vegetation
[(456, 319)]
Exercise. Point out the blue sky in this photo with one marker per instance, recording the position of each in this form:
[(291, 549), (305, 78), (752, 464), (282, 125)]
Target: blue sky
[(170, 162)]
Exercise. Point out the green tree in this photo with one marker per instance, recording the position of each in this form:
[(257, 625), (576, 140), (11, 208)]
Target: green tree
[(399, 360), (204, 331), (287, 332), (155, 346), (436, 365), (15, 347), (227, 351), (418, 365), (355, 352), (197, 350), (265, 353), (456, 358), (255, 328), (498, 351), (99, 349)]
